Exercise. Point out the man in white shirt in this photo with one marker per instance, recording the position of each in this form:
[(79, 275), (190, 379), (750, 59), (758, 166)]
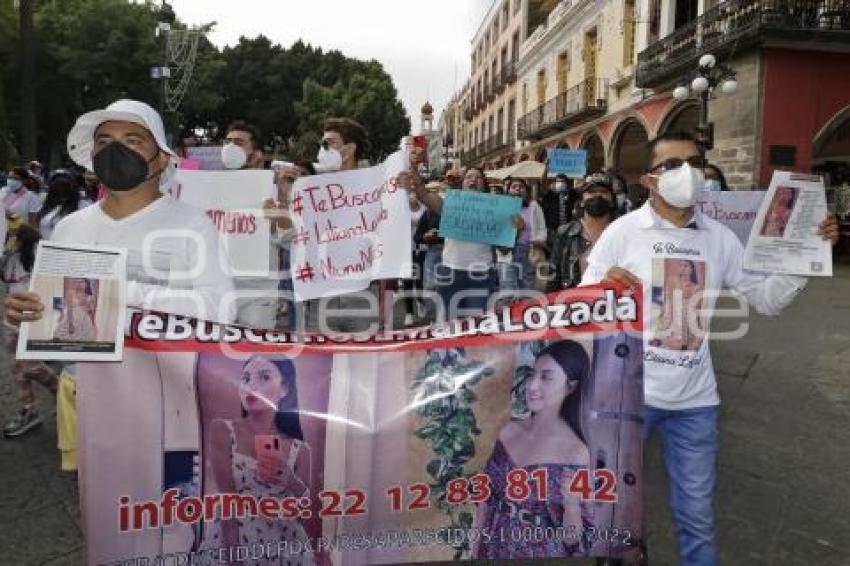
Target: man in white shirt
[(173, 259), (257, 304), (681, 258)]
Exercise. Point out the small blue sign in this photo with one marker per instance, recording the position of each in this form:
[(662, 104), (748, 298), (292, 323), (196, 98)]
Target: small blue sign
[(569, 162), (480, 217)]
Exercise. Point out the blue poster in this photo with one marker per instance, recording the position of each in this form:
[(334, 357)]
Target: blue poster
[(569, 162), (479, 217)]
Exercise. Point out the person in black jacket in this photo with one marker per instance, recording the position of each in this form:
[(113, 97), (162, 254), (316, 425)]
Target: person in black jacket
[(428, 254), (574, 240)]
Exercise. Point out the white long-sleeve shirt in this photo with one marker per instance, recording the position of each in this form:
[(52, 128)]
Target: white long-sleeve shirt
[(173, 262), (705, 255)]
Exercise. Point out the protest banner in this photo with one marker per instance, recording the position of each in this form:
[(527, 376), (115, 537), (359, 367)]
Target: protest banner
[(735, 209), (229, 445), (351, 228), (569, 162), (479, 217), (208, 157), (784, 238), (233, 201)]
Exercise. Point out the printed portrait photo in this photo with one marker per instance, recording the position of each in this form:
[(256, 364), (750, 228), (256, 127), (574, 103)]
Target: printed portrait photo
[(677, 289), (779, 212), (263, 433), (78, 310), (549, 428)]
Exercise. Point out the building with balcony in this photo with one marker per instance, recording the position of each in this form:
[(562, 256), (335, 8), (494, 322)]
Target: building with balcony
[(576, 83), (490, 106), (792, 59)]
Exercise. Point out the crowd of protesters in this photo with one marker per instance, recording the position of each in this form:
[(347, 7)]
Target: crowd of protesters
[(568, 232)]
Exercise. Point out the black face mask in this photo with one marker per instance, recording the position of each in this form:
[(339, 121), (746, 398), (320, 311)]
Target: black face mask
[(597, 206), (120, 168)]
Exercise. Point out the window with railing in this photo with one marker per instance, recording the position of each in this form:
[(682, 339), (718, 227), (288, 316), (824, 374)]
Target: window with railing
[(563, 70), (505, 15), (629, 23)]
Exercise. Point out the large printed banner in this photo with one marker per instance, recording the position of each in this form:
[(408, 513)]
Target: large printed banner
[(351, 228), (513, 435), (233, 200)]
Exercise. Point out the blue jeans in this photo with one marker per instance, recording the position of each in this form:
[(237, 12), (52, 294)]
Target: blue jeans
[(689, 443), (452, 281)]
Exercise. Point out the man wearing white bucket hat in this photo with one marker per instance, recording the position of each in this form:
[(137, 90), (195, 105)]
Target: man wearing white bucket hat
[(173, 258)]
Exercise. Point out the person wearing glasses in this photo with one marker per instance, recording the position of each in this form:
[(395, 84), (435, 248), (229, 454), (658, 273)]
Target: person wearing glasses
[(680, 389)]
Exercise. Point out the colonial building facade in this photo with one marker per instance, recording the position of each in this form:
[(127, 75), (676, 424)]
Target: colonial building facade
[(599, 75)]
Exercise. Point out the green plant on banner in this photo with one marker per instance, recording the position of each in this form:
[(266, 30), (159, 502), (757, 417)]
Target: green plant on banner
[(443, 394)]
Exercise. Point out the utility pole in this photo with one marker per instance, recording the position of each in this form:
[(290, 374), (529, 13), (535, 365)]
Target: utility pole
[(28, 124)]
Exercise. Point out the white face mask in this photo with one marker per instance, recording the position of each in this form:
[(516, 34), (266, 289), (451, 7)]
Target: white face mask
[(14, 185), (328, 160), (233, 156), (712, 185), (560, 187), (680, 187)]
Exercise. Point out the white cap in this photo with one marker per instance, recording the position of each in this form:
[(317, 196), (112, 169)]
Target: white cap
[(81, 137)]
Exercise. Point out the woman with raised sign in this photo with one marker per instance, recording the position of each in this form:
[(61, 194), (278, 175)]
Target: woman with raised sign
[(535, 464), (467, 268)]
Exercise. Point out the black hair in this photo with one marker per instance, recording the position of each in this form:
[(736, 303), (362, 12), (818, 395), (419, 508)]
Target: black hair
[(526, 199), (250, 129), (677, 136), (63, 192), (573, 359), (486, 188), (561, 177), (720, 176), (286, 419), (305, 164), (22, 172), (27, 239), (351, 131), (693, 275)]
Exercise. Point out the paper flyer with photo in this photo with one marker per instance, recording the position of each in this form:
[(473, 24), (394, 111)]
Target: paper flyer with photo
[(784, 237), (83, 289), (515, 435)]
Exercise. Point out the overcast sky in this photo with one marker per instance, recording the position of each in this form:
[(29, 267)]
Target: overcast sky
[(424, 46)]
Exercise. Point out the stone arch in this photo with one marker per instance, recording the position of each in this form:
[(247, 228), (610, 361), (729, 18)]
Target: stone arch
[(833, 139), (683, 117), (595, 147), (628, 145)]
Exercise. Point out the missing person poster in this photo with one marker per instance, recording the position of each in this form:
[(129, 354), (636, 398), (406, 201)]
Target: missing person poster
[(784, 238), (515, 435), (83, 289)]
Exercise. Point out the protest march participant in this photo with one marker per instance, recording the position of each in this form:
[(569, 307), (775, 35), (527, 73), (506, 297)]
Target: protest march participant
[(649, 247), (514, 265), (63, 198), (574, 240), (166, 240), (467, 268), (344, 146), (15, 273), (243, 149), (19, 197)]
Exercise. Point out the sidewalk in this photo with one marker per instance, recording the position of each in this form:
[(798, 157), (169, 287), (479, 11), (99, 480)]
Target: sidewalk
[(784, 462)]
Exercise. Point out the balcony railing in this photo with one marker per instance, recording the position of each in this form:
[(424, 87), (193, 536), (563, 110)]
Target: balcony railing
[(498, 84), (489, 92), (499, 142), (584, 101), (508, 72), (735, 24)]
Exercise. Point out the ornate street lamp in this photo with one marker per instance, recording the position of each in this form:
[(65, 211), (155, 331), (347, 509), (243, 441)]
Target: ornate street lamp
[(704, 82)]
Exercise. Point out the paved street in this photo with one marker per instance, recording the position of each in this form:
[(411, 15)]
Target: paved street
[(784, 463)]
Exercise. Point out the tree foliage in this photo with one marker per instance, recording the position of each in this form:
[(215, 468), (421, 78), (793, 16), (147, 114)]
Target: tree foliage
[(92, 52)]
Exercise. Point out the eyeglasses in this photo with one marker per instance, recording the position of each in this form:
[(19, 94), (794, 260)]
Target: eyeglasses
[(695, 161)]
